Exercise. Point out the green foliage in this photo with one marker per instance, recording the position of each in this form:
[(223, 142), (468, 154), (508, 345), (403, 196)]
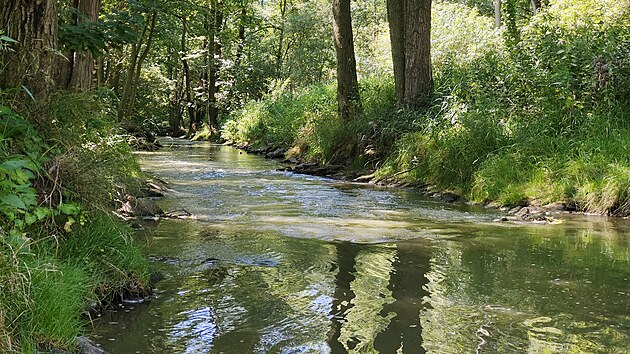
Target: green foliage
[(545, 122), (117, 28), (280, 118), (50, 163), (460, 35), (106, 249), (92, 160), (535, 112), (57, 300)]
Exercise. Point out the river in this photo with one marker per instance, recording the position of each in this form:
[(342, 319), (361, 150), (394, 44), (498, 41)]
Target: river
[(282, 263)]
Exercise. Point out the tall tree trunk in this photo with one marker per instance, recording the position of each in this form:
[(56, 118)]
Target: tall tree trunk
[(141, 60), (137, 57), (192, 123), (113, 74), (32, 62), (396, 18), (83, 62), (283, 12), (497, 13), (215, 50), (347, 83), (241, 38), (418, 74)]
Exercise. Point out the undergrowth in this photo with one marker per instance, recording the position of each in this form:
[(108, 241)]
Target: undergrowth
[(62, 168), (537, 114)]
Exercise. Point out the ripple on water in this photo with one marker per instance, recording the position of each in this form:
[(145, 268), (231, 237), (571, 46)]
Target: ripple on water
[(307, 264)]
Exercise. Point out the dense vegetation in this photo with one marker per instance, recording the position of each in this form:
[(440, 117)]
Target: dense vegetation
[(521, 102), (60, 247), (533, 112)]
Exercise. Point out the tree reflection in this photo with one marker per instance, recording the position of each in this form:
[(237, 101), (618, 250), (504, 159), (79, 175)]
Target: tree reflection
[(408, 289), (378, 298)]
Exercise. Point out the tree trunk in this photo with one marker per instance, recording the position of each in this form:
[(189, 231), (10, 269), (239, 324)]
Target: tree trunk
[(83, 62), (396, 18), (283, 11), (347, 83), (215, 55), (192, 123), (137, 57), (418, 74), (497, 13), (241, 38), (32, 62)]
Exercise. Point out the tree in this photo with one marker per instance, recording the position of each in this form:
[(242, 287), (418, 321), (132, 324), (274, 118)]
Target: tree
[(32, 60), (347, 83), (213, 25), (80, 63), (410, 31), (497, 13), (139, 52)]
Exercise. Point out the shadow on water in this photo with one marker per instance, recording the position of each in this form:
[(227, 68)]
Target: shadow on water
[(279, 263)]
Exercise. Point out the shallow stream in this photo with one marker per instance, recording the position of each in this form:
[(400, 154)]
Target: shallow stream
[(283, 263)]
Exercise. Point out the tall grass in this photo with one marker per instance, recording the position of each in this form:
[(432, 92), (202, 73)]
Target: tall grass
[(107, 250), (57, 300)]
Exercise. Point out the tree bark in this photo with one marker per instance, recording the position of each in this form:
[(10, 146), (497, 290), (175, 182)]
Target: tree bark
[(396, 18), (497, 13), (347, 83), (410, 35), (192, 123), (283, 11), (214, 53), (418, 73), (83, 62), (137, 57), (241, 38), (32, 62)]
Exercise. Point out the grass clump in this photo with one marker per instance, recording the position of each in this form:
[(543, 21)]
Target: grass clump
[(57, 301), (107, 250)]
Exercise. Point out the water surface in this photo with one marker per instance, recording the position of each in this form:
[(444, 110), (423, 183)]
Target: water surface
[(284, 263)]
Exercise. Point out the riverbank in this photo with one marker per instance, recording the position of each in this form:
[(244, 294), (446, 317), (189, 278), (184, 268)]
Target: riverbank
[(504, 129), (63, 255)]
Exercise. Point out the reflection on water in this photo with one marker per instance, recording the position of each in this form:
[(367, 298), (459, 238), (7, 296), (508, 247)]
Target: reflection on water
[(296, 264)]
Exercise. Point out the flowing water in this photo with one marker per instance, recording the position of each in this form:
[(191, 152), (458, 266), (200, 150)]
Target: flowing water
[(284, 263)]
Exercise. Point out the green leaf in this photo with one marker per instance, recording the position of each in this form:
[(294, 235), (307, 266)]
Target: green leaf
[(14, 201), (7, 39), (69, 208), (28, 92), (41, 213), (68, 225), (30, 219), (13, 165)]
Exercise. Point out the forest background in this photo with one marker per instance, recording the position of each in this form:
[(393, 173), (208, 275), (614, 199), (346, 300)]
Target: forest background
[(507, 103)]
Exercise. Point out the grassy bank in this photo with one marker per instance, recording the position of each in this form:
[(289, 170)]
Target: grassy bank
[(534, 114), (60, 250)]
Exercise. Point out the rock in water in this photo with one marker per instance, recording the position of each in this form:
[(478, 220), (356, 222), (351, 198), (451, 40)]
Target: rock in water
[(140, 207), (86, 346)]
